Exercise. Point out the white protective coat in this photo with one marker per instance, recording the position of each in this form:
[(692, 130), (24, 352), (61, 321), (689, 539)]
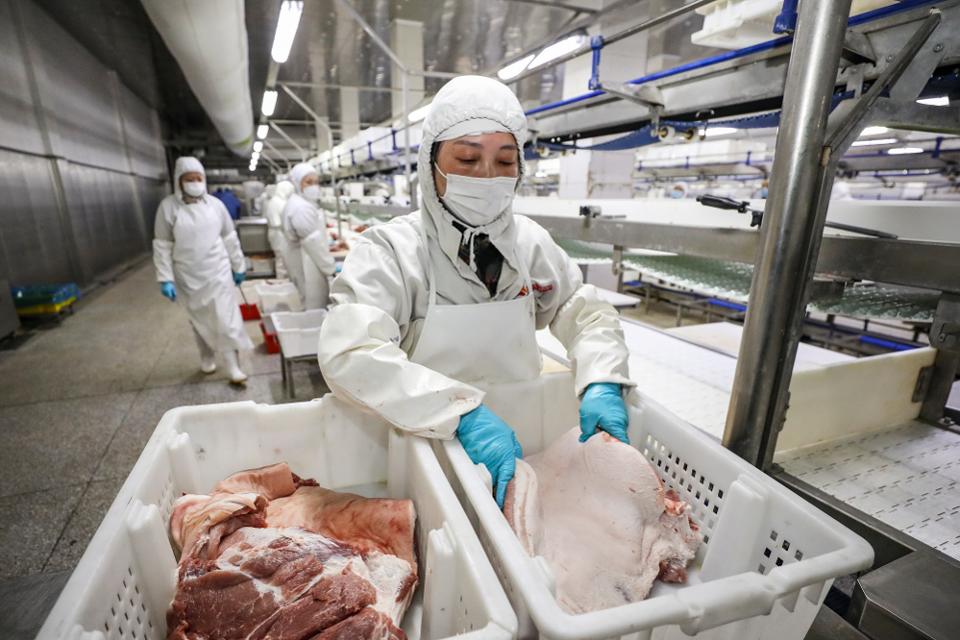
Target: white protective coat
[(273, 212), (309, 261), (380, 299), (196, 247)]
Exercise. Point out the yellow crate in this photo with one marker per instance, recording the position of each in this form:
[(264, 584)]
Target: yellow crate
[(45, 309)]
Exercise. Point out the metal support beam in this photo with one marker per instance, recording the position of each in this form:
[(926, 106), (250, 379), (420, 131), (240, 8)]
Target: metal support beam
[(279, 155), (278, 129), (772, 328), (945, 337)]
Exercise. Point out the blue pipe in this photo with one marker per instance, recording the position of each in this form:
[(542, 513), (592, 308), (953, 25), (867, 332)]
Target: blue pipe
[(869, 16), (786, 21), (886, 344), (596, 44)]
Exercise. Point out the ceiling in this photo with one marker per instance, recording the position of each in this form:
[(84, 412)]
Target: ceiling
[(461, 36)]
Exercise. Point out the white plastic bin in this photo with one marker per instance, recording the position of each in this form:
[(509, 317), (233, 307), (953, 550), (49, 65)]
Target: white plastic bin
[(767, 561), (298, 332), (125, 580), (278, 297)]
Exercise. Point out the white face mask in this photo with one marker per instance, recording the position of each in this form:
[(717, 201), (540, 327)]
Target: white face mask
[(195, 189), (312, 192), (478, 201)]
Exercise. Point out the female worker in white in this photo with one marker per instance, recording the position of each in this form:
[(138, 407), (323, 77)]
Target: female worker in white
[(273, 212), (198, 258), (435, 304), (309, 262)]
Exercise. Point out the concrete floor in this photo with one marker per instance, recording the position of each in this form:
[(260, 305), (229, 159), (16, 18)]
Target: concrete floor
[(78, 400)]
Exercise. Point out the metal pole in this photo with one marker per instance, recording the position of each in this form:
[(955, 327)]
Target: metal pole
[(276, 127), (333, 172), (373, 34), (405, 107), (282, 158), (770, 334)]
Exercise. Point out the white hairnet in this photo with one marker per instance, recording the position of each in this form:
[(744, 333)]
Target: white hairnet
[(185, 164), (299, 172), (482, 103)]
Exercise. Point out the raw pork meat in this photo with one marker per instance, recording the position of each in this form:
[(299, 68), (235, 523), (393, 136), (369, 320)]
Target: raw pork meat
[(599, 515), (268, 556)]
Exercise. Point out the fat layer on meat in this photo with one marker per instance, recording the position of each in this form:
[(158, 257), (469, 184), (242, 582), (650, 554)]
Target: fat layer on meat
[(599, 515)]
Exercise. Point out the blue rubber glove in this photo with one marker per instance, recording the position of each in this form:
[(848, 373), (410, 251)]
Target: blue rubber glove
[(239, 277), (489, 441), (168, 290), (602, 407)]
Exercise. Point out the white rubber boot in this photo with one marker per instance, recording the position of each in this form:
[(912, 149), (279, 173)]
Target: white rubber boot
[(208, 361), (237, 376)]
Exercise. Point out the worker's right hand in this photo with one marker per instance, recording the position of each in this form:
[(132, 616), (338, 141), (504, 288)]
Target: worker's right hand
[(489, 441), (168, 290)]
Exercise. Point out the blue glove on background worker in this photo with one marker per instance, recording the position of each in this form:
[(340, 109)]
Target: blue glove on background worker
[(489, 441), (602, 407), (168, 290), (239, 277)]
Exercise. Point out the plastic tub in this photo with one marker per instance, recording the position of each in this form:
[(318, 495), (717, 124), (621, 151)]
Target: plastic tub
[(125, 580), (299, 332), (278, 297), (766, 564), (43, 299)]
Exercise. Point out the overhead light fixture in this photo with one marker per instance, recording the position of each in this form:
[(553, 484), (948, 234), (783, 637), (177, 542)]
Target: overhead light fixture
[(290, 11), (868, 143), (419, 114), (258, 146), (873, 131), (940, 101), (263, 130), (902, 151), (514, 69), (269, 103), (558, 49), (255, 156), (719, 131)]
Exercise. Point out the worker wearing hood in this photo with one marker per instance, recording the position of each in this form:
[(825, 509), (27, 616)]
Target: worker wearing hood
[(273, 211), (433, 307), (309, 262), (198, 261)]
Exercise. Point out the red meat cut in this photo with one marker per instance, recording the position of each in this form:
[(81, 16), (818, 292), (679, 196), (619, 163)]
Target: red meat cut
[(268, 556), (599, 515)]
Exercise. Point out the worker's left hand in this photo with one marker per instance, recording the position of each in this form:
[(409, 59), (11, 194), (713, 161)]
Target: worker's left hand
[(489, 441), (602, 407), (239, 277)]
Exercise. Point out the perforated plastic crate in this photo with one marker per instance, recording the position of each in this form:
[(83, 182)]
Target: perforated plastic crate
[(767, 560), (126, 579)]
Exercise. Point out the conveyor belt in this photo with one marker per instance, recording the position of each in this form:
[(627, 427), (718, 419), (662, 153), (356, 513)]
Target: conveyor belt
[(731, 281), (907, 477)]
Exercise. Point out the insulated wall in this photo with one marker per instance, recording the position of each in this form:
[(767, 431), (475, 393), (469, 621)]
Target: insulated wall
[(82, 166)]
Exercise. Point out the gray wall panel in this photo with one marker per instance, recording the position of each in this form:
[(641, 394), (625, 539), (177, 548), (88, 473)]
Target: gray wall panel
[(30, 232), (76, 93), (18, 123), (86, 204), (144, 141)]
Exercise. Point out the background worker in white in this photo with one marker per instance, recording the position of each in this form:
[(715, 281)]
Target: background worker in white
[(309, 263), (432, 306), (198, 259), (273, 212)]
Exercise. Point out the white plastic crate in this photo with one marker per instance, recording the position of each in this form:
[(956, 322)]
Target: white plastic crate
[(278, 297), (766, 563), (299, 332), (126, 579)]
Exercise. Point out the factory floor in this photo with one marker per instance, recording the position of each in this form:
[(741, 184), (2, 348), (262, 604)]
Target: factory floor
[(78, 400)]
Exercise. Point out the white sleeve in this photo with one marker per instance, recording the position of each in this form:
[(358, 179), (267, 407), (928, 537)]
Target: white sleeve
[(231, 240), (360, 355), (587, 326), (163, 246), (317, 247)]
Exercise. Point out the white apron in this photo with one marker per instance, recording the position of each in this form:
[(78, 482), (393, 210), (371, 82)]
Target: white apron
[(204, 278), (316, 286), (483, 343)]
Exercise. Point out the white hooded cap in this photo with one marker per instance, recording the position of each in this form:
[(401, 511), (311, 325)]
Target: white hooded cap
[(464, 106), (185, 164), (284, 189), (299, 172)]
